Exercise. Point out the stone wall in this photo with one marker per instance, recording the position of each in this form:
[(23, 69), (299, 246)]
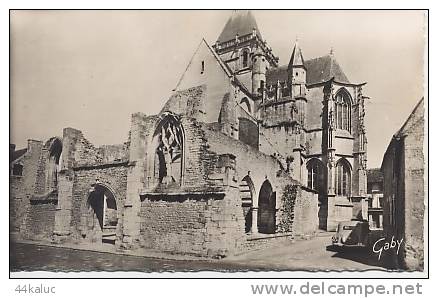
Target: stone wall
[(22, 187), (306, 219), (200, 224), (111, 177), (403, 171), (83, 167), (40, 219)]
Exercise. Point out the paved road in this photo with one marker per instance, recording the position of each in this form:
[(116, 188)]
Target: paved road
[(313, 254), (301, 255)]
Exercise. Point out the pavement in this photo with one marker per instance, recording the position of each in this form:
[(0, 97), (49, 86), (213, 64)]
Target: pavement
[(313, 254)]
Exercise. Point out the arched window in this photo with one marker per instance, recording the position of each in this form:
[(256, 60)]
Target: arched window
[(343, 110), (315, 175), (245, 58), (168, 151), (343, 178), (53, 164)]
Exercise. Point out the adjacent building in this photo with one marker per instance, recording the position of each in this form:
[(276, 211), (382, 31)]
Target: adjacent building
[(375, 198), (403, 169)]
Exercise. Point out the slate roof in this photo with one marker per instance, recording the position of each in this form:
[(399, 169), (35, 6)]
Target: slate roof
[(296, 58), (276, 74), (241, 22), (324, 68), (374, 175), (319, 70), (17, 154)]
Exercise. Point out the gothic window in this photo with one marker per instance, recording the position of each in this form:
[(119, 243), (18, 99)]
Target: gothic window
[(168, 152), (343, 178), (343, 111), (315, 175), (245, 58), (53, 165)]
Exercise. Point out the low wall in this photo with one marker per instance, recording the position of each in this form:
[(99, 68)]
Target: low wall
[(306, 212), (40, 219), (199, 224)]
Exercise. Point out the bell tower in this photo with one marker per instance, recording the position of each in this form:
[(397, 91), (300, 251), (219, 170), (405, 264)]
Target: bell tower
[(242, 48)]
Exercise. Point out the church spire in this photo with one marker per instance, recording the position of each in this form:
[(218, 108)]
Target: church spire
[(240, 23), (297, 56)]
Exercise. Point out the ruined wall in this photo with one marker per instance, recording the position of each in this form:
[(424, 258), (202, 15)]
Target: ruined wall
[(112, 177), (306, 219), (16, 200), (40, 220), (195, 224), (22, 188), (187, 102), (85, 165)]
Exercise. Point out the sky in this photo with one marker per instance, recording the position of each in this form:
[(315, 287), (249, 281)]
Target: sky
[(91, 70)]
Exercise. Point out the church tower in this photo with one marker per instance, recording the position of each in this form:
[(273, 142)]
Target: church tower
[(242, 48)]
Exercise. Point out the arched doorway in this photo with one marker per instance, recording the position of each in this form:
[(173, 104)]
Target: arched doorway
[(102, 216), (246, 189), (267, 208)]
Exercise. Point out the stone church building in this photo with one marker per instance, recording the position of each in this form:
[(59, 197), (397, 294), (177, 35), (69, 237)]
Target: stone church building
[(243, 147)]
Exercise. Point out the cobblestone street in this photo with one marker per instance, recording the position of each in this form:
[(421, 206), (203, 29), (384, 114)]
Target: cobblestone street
[(301, 255)]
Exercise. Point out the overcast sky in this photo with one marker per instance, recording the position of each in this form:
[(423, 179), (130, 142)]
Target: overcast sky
[(92, 69)]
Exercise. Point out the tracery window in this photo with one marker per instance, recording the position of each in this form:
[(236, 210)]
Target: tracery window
[(343, 178), (169, 151), (343, 111), (315, 175)]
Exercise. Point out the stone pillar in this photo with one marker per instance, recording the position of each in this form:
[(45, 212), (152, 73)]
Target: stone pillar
[(135, 181), (131, 216), (331, 161), (254, 228), (63, 212)]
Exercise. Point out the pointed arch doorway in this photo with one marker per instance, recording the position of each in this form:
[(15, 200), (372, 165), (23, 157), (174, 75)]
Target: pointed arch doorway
[(101, 215), (267, 208)]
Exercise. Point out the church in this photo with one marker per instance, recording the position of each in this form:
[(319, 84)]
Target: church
[(243, 149)]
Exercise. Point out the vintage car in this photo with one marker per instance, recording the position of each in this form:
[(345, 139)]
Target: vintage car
[(353, 233)]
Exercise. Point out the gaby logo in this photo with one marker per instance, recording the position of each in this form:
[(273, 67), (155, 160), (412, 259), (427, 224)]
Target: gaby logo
[(381, 245)]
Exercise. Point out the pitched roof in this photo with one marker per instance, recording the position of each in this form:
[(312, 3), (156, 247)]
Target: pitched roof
[(241, 22), (405, 127), (319, 70), (203, 42), (374, 175), (296, 59), (324, 68), (17, 154), (404, 130), (276, 74)]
